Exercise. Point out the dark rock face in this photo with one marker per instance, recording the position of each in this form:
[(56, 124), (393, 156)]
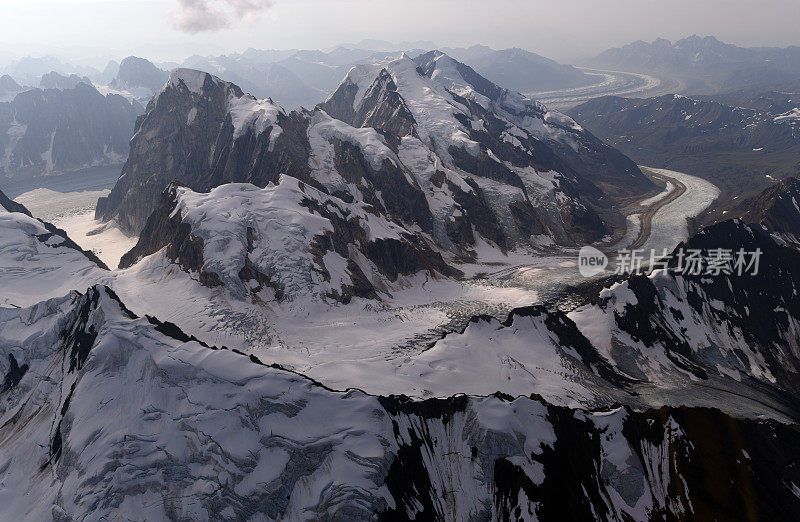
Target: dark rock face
[(52, 231), (137, 72), (12, 206), (477, 214), (679, 462), (382, 108), (401, 200), (341, 104), (200, 153), (409, 256), (775, 208), (53, 130), (162, 231), (14, 375), (54, 80)]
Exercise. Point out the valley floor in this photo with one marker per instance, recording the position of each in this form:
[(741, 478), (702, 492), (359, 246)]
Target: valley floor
[(610, 83)]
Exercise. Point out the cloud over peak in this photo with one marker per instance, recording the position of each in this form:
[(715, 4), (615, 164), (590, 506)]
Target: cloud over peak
[(195, 16)]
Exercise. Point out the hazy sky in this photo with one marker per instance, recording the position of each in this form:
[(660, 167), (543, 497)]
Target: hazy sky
[(566, 30)]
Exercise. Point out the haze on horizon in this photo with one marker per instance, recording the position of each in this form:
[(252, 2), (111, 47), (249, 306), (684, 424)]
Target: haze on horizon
[(92, 31)]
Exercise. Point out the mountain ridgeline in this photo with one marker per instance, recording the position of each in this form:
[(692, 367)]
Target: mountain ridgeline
[(427, 144), (719, 354), (706, 65)]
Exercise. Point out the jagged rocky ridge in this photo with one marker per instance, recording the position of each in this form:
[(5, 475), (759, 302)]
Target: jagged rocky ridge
[(727, 336), (709, 327), (50, 131), (669, 338), (204, 433), (461, 161)]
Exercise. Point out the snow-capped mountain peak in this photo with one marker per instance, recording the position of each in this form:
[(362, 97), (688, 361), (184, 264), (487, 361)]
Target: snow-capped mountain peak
[(285, 242), (486, 164)]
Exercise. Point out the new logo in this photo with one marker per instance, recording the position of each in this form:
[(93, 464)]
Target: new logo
[(591, 261)]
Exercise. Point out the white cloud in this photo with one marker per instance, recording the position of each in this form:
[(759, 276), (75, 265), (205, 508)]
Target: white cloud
[(195, 16)]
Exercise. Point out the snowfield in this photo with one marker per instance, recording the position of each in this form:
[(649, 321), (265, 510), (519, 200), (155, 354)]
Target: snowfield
[(381, 347), (74, 212), (386, 347)]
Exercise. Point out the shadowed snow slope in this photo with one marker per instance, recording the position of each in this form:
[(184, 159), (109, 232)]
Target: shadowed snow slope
[(106, 415)]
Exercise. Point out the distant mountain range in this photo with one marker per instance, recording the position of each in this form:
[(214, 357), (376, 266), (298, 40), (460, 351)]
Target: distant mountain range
[(304, 78), (67, 126), (706, 64), (29, 70), (521, 70), (295, 77), (743, 143)]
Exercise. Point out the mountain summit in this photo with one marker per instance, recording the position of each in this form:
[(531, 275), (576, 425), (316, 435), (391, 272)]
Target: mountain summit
[(426, 142)]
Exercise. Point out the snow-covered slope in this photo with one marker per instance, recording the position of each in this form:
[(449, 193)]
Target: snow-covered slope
[(239, 265), (540, 172), (288, 241), (107, 415), (675, 325), (39, 261)]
